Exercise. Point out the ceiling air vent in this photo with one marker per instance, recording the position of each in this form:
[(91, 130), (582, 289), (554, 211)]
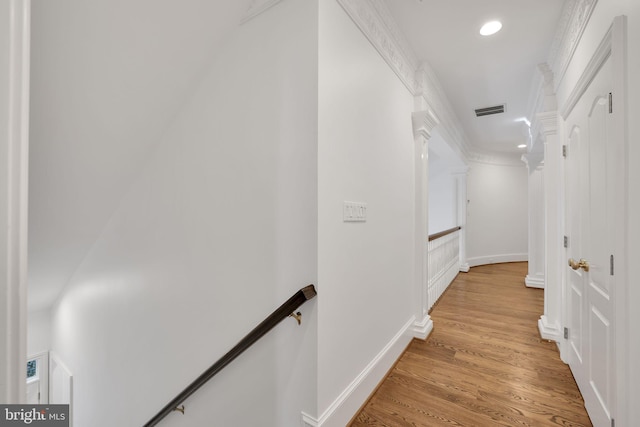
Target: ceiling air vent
[(498, 109)]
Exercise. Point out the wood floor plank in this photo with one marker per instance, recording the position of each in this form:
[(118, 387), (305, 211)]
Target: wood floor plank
[(483, 365)]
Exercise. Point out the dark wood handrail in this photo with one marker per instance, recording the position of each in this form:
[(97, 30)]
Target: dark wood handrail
[(443, 233), (281, 313)]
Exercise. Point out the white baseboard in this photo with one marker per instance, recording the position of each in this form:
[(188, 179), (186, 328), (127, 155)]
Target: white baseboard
[(422, 329), (345, 406), (464, 268), (549, 331), (497, 259), (308, 420), (534, 282)]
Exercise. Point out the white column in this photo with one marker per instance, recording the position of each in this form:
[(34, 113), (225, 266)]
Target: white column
[(14, 112), (535, 275), (423, 123), (550, 322), (461, 208)]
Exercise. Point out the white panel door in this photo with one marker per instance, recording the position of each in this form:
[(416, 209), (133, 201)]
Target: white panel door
[(589, 207), (33, 392)]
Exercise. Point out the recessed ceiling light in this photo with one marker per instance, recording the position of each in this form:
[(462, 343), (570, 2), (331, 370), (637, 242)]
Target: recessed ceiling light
[(522, 146), (490, 28)]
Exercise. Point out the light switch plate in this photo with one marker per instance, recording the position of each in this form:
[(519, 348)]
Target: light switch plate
[(354, 212)]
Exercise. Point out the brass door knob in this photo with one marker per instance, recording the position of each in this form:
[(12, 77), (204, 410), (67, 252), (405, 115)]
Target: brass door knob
[(583, 264)]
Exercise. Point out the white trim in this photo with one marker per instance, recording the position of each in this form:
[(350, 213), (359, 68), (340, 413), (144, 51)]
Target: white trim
[(464, 268), (624, 333), (549, 331), (574, 20), (614, 46), (603, 52), (55, 359), (422, 329), (377, 24), (257, 7), (373, 18), (308, 420), (43, 374), (571, 25), (534, 282), (497, 259), (433, 95), (14, 155), (345, 406), (423, 123)]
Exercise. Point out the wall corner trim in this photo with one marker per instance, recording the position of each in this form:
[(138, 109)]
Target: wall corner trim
[(346, 405)]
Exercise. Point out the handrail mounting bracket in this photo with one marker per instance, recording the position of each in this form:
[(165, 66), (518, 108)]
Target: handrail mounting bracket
[(297, 316)]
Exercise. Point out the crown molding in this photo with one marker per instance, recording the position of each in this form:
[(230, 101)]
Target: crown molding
[(533, 160), (573, 21), (497, 159), (547, 123), (423, 123), (433, 94), (600, 56), (257, 7), (542, 100), (374, 19)]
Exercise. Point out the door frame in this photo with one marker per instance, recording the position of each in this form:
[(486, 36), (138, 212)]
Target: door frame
[(614, 46)]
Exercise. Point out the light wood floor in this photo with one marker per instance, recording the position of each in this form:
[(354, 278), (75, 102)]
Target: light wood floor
[(483, 365)]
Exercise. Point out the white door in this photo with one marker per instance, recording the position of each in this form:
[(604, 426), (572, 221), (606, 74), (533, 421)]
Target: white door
[(589, 226), (33, 392), (38, 379)]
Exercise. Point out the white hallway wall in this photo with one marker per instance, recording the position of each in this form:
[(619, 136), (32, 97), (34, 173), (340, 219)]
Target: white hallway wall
[(602, 18), (365, 154), (38, 332), (445, 168), (443, 202), (496, 213), (218, 229)]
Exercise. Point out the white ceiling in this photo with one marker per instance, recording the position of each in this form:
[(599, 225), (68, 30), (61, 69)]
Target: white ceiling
[(477, 71)]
